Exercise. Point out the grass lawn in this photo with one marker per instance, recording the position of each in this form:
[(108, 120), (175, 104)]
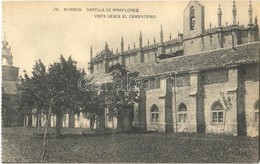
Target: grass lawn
[(18, 145)]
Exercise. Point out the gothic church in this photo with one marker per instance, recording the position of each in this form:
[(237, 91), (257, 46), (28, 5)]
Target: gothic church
[(214, 69)]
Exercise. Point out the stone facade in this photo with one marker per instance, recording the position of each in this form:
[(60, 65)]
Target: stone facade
[(203, 81), (209, 78)]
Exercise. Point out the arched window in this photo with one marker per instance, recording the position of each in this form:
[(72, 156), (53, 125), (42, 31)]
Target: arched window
[(192, 18), (182, 113), (256, 112), (217, 112), (155, 114)]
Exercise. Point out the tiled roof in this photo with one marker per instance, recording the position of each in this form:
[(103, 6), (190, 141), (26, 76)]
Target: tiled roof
[(242, 54)]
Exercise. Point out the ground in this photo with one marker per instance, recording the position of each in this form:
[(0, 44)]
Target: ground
[(19, 145)]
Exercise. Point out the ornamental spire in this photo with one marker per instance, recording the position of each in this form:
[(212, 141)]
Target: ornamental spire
[(140, 40), (122, 44), (234, 13), (91, 53), (161, 35), (250, 13), (219, 16)]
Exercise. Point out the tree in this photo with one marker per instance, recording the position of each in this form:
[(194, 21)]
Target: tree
[(92, 104), (227, 106), (53, 91), (120, 96)]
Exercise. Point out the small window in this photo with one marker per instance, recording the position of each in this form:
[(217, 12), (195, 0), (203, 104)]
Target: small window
[(182, 113), (217, 112), (256, 112), (155, 114), (155, 83)]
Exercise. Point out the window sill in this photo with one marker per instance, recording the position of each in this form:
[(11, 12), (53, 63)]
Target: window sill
[(182, 123), (217, 123), (154, 122), (154, 89)]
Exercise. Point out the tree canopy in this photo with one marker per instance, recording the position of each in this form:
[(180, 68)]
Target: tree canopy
[(121, 95), (55, 88)]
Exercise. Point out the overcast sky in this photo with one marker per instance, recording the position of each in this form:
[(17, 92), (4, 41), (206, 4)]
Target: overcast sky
[(34, 31)]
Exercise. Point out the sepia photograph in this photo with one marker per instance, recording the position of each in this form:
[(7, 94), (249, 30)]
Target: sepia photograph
[(130, 81)]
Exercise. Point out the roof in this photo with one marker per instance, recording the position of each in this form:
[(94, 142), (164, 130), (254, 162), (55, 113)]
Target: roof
[(242, 54), (225, 57), (106, 53)]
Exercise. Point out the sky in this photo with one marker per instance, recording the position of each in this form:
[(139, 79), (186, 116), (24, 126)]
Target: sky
[(36, 30)]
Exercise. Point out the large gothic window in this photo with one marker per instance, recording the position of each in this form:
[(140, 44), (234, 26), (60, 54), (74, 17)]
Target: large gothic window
[(192, 18), (154, 114), (256, 112), (217, 112), (182, 113)]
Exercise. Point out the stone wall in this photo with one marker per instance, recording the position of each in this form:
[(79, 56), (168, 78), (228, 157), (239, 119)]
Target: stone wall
[(251, 97), (155, 97), (215, 83)]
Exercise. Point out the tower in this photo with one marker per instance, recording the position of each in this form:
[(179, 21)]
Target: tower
[(193, 19), (193, 27), (9, 72), (10, 116), (7, 55)]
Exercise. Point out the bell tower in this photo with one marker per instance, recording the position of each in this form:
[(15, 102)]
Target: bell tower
[(9, 72), (193, 27), (193, 20)]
